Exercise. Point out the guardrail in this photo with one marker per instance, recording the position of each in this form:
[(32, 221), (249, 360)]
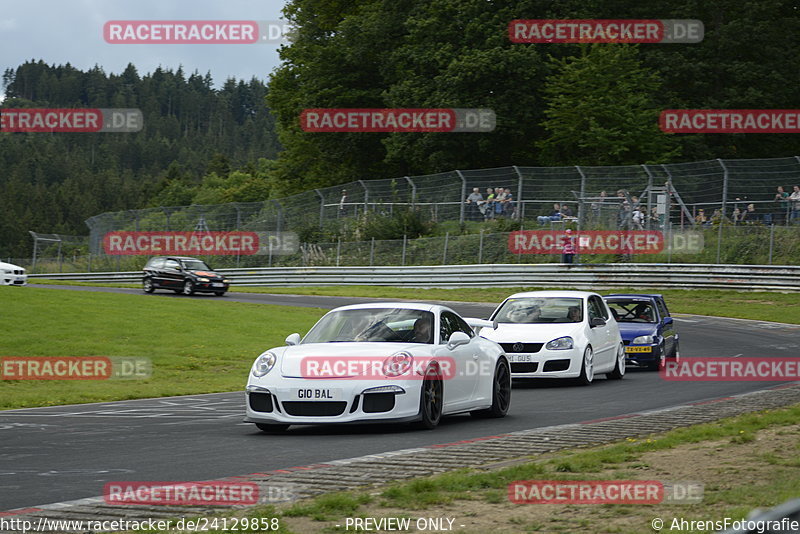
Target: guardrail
[(594, 276)]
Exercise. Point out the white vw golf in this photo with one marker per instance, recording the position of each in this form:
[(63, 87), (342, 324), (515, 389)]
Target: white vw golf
[(558, 334), (382, 362)]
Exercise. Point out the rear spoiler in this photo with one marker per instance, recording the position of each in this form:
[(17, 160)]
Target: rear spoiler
[(480, 323)]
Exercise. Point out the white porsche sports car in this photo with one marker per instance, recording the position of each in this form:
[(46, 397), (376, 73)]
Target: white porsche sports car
[(381, 362), (558, 334), (12, 275)]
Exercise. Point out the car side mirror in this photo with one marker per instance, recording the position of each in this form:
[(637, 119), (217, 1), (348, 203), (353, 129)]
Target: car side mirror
[(293, 339), (667, 320), (597, 321), (457, 339)]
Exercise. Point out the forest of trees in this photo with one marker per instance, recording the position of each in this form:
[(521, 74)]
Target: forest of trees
[(560, 104), (197, 141)]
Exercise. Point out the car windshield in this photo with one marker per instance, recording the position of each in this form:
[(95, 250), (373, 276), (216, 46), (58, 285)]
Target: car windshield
[(195, 265), (536, 310), (632, 311), (373, 324)]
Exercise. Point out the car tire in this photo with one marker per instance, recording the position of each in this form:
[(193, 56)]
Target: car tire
[(147, 285), (431, 399), (219, 293), (178, 291), (662, 358), (188, 288), (587, 367), (272, 428), (501, 392), (619, 366)]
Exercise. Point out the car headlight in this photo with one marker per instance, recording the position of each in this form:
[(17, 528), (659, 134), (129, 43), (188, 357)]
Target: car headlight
[(561, 343), (643, 340), (202, 279), (226, 281), (6, 271), (263, 364), (397, 364)]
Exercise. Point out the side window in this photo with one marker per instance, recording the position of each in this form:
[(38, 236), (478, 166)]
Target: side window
[(594, 309), (171, 264), (157, 263), (447, 326), (601, 306), (662, 309), (463, 326)]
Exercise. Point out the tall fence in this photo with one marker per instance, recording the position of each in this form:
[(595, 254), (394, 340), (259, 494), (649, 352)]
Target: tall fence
[(725, 185)]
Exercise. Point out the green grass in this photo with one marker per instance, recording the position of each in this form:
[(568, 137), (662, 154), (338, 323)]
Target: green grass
[(762, 306), (195, 346)]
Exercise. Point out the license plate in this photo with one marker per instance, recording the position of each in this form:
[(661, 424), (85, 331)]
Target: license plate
[(316, 394), (520, 358), (638, 349), (217, 284)]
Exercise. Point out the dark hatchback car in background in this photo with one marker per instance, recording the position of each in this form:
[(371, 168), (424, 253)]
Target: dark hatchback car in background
[(184, 275), (648, 332)]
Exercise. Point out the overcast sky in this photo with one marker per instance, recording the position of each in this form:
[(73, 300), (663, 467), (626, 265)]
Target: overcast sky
[(61, 31)]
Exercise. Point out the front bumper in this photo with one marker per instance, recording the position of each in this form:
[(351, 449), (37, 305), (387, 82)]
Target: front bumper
[(546, 364), (14, 280), (278, 402), (209, 287)]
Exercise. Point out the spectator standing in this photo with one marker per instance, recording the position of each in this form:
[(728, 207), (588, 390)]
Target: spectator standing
[(597, 207), (795, 204), (637, 218), (568, 247), (782, 200), (488, 207), (499, 201), (508, 204), (473, 201)]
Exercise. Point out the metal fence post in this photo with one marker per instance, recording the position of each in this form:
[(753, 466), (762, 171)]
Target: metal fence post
[(771, 242), (338, 250), (372, 252), (413, 190), (366, 196), (581, 207), (520, 211), (480, 248), (444, 254), (405, 242), (462, 201), (723, 209), (321, 208)]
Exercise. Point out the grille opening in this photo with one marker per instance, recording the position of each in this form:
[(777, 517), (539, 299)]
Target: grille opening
[(378, 402), (524, 367), (315, 409), (355, 404), (260, 402), (556, 365), (522, 347)]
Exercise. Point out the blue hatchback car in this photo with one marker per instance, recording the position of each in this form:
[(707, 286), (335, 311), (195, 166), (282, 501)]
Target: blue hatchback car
[(648, 332)]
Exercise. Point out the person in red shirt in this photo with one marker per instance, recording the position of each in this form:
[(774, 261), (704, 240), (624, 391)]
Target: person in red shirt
[(568, 247)]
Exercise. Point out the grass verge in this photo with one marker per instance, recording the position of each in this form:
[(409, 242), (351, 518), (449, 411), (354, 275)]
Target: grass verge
[(762, 306), (195, 346), (745, 462)]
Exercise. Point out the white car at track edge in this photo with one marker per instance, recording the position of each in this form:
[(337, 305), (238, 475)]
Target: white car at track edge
[(558, 334), (379, 362), (12, 275)]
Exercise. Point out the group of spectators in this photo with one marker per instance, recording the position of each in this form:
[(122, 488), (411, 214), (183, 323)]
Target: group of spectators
[(497, 203), (788, 205)]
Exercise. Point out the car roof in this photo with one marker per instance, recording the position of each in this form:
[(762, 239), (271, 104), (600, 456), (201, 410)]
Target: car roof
[(176, 258), (647, 296), (557, 294), (425, 306)]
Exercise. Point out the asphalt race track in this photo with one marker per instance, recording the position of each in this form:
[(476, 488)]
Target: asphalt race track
[(69, 452)]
